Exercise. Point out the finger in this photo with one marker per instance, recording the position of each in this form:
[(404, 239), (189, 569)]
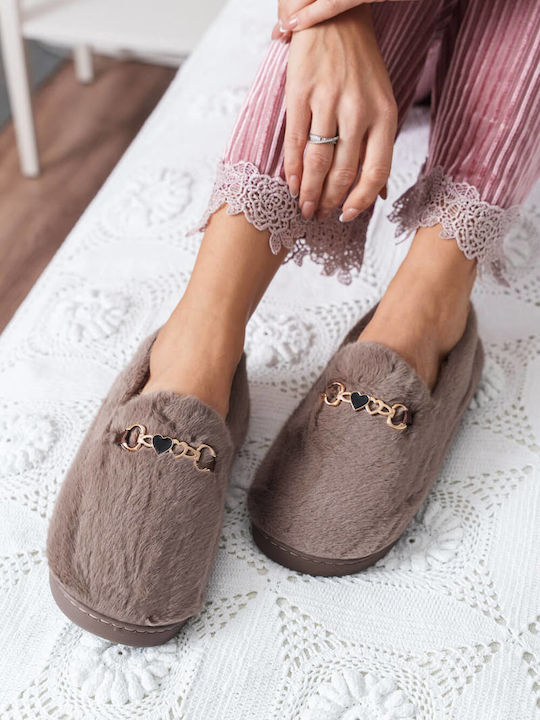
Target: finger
[(297, 122), (276, 32), (289, 8), (316, 12), (317, 162), (344, 169), (375, 170), (279, 34)]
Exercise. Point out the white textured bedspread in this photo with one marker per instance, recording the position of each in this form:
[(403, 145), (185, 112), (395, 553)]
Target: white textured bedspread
[(446, 627)]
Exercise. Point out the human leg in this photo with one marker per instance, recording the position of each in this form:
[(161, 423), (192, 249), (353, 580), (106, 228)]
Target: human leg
[(483, 158), (198, 348)]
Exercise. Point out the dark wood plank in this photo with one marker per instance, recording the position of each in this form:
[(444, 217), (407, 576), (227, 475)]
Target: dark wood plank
[(82, 133)]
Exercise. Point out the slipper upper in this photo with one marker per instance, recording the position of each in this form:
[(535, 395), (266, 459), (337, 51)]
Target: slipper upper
[(134, 533), (342, 484)]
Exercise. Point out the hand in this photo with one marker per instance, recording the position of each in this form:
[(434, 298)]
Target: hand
[(337, 84), (295, 15)]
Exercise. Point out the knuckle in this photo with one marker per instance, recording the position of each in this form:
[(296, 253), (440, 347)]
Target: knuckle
[(299, 95), (295, 139), (324, 97), (343, 177), (310, 195), (359, 120), (297, 98), (318, 164), (364, 198), (329, 202), (292, 158), (388, 109), (376, 174), (330, 96), (318, 161), (352, 105), (332, 5), (292, 168)]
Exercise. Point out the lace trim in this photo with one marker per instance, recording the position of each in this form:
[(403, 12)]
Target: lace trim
[(268, 204), (478, 227)]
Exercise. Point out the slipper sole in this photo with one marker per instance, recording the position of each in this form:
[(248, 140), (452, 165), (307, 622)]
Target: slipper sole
[(311, 564), (108, 628)]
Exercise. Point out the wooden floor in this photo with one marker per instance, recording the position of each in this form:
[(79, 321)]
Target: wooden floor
[(82, 132)]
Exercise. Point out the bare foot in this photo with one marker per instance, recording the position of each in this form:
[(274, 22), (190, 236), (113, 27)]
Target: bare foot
[(196, 353), (424, 310)]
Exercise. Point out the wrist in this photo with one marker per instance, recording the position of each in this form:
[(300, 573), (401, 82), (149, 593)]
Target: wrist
[(360, 16)]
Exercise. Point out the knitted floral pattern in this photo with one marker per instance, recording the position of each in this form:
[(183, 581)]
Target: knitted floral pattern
[(478, 227), (268, 205), (352, 695), (119, 674)]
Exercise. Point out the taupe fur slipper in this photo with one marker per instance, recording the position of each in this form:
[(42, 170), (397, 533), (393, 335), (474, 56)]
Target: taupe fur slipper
[(136, 525), (358, 456)]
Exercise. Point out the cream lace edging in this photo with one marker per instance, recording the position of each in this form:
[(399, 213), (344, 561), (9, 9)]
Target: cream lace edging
[(268, 204), (478, 227)]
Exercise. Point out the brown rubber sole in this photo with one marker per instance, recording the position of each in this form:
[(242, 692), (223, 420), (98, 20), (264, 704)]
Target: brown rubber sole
[(311, 564), (113, 630)]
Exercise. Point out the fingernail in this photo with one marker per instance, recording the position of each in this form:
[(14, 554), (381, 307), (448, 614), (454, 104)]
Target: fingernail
[(348, 214), (323, 215), (384, 192), (308, 208), (281, 27), (293, 22), (294, 185)]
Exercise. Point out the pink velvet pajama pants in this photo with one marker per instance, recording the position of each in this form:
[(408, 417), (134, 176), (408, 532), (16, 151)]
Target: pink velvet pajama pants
[(484, 150)]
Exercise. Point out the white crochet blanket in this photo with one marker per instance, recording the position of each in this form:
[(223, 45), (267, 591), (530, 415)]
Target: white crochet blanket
[(446, 627)]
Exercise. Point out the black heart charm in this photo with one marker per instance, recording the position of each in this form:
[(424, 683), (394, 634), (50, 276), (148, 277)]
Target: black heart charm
[(358, 401), (161, 444)]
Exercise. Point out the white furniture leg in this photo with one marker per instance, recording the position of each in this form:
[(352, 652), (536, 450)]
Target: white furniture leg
[(18, 84), (84, 64)]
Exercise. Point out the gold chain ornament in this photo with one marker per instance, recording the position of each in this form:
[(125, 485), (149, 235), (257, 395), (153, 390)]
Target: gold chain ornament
[(176, 448), (336, 393)]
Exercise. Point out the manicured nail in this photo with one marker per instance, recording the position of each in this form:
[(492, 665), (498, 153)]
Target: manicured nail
[(308, 208), (384, 192), (293, 22), (348, 215), (281, 27), (294, 185)]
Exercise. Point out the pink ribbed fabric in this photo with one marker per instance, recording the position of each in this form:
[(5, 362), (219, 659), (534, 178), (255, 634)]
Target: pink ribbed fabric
[(483, 151)]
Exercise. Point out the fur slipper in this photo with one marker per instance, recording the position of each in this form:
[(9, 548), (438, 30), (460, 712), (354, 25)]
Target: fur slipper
[(358, 456), (136, 525)]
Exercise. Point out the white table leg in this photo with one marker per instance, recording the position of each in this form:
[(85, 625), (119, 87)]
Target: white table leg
[(16, 68), (84, 64)]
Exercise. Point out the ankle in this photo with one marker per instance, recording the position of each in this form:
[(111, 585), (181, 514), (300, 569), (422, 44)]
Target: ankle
[(206, 329), (196, 353), (434, 283), (219, 304), (439, 266), (424, 311)]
